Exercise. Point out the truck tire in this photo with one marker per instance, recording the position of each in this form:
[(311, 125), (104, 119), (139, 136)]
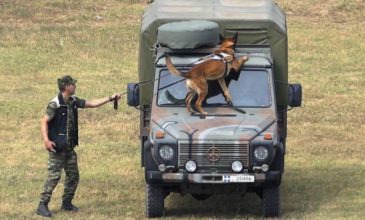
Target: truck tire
[(155, 201), (271, 203)]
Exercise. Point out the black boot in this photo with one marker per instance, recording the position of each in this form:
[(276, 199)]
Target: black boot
[(68, 206), (43, 210)]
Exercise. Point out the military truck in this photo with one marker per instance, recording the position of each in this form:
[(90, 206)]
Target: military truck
[(233, 149)]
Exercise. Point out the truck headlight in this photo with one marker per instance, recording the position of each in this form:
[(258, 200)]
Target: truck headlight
[(191, 166), (166, 152), (261, 153), (237, 166)]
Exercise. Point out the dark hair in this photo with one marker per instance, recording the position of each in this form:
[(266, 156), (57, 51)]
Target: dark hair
[(61, 85), (65, 81)]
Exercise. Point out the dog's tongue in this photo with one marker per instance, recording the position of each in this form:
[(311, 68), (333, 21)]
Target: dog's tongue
[(242, 128)]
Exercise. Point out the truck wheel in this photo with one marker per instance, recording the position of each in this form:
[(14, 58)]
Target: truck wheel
[(155, 198), (271, 205)]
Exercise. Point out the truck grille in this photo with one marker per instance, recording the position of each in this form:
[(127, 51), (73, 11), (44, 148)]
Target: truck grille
[(228, 153)]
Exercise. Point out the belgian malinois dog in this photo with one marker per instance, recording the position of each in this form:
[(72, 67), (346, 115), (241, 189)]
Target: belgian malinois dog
[(210, 69)]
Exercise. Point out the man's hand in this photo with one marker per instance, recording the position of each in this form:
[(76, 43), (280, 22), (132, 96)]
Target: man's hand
[(115, 99), (116, 96), (50, 146)]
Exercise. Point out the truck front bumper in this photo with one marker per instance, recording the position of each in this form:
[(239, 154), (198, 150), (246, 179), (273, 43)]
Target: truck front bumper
[(271, 177)]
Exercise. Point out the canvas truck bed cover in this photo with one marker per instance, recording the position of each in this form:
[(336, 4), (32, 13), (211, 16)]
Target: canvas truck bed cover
[(258, 22)]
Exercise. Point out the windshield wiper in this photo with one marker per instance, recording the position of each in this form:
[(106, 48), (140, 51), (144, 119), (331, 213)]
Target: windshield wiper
[(238, 109), (227, 105), (215, 115), (220, 115)]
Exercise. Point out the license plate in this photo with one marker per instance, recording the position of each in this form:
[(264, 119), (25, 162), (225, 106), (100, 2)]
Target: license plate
[(239, 179)]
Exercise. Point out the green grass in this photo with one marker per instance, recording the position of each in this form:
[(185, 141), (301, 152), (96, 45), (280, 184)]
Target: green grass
[(97, 43)]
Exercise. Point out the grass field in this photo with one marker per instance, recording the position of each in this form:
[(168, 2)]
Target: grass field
[(97, 43)]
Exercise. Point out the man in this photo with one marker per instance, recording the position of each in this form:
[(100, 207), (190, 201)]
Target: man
[(59, 127)]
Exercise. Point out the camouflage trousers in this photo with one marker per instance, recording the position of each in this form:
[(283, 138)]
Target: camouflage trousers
[(56, 162)]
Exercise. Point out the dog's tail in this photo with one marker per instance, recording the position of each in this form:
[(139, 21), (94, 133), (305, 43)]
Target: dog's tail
[(172, 68)]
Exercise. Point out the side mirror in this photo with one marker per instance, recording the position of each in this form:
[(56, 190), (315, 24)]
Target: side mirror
[(133, 94), (295, 95)]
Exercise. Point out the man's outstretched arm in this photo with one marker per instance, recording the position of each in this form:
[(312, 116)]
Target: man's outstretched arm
[(99, 102)]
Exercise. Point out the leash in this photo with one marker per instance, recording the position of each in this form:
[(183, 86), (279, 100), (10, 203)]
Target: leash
[(146, 82), (142, 84)]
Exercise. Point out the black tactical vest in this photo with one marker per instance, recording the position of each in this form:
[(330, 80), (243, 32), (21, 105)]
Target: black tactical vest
[(57, 127)]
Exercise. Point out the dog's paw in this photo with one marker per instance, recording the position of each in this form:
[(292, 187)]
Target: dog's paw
[(228, 99), (229, 102), (244, 58)]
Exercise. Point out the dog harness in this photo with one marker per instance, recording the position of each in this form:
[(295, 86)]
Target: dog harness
[(225, 57)]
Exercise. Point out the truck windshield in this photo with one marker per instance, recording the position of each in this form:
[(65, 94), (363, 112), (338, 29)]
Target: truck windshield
[(248, 88)]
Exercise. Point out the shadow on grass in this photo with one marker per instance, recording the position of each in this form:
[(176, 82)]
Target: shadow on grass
[(315, 190), (217, 206)]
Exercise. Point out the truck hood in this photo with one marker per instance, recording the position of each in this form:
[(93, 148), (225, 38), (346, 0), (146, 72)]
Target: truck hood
[(242, 127)]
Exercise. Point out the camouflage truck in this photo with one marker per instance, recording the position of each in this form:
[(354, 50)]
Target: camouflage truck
[(233, 149)]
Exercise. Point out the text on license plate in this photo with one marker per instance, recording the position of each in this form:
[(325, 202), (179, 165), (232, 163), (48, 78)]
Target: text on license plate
[(239, 179)]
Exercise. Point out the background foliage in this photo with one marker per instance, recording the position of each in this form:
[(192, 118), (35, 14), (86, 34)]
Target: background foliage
[(97, 41)]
